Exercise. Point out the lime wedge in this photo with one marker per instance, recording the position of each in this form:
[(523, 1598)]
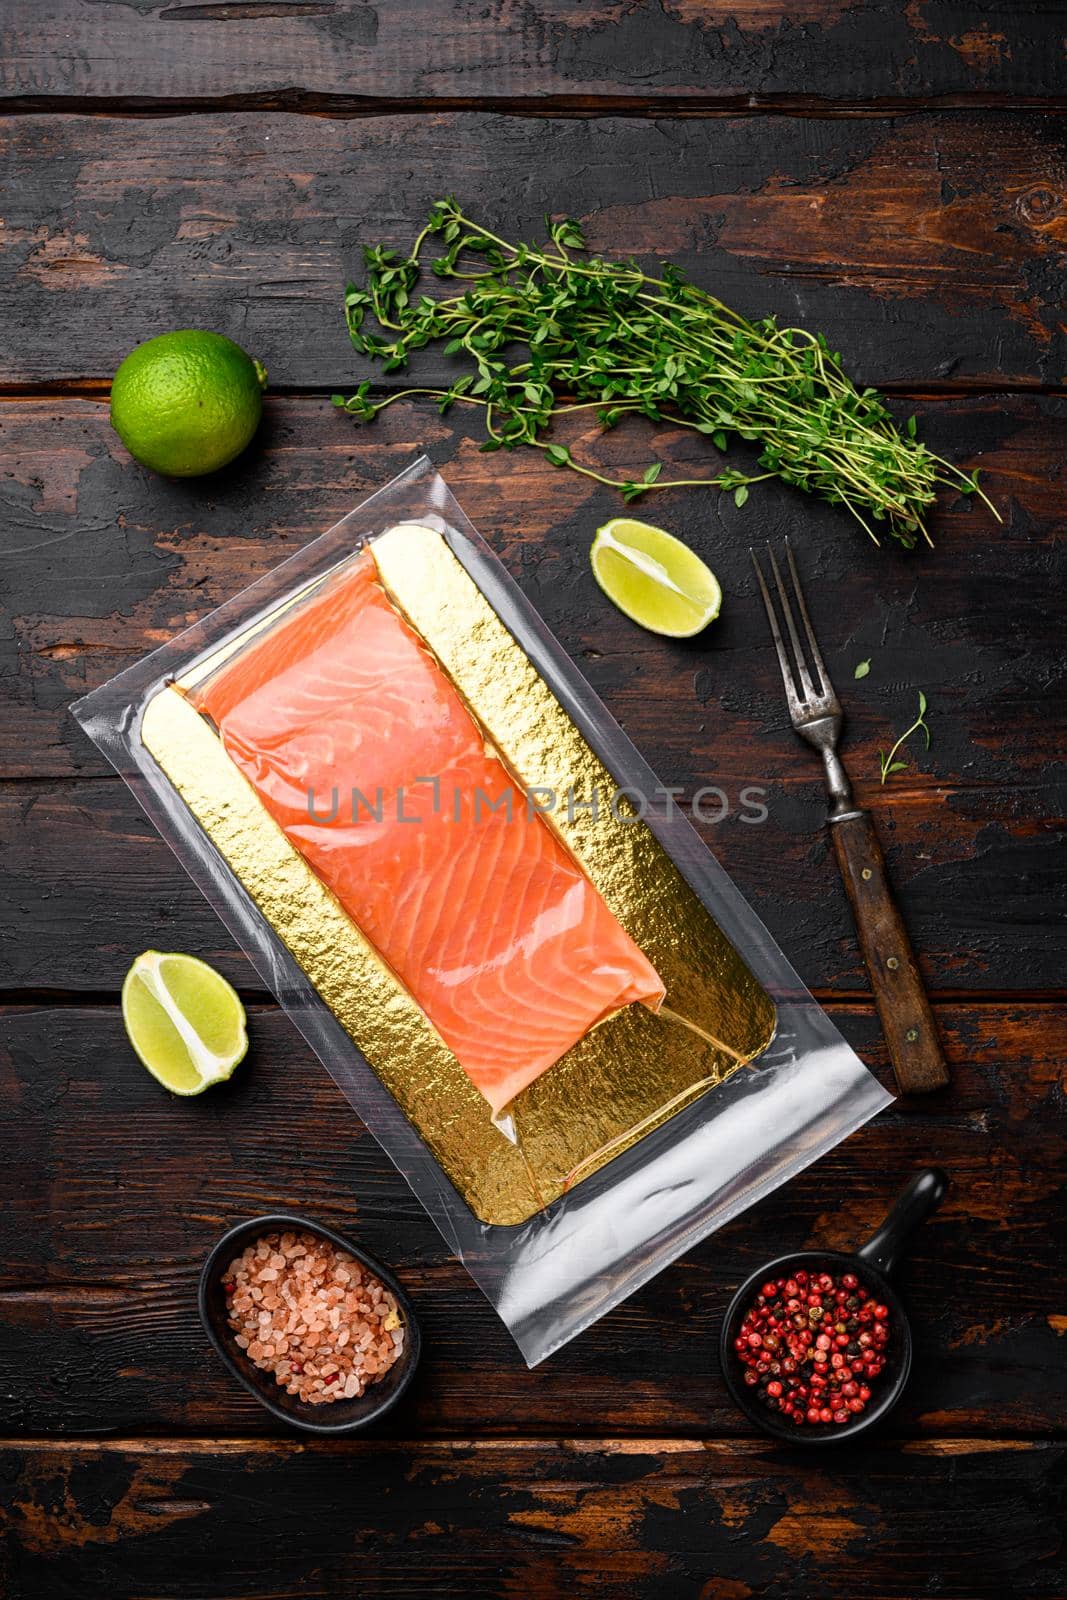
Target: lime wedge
[(184, 1021), (654, 578)]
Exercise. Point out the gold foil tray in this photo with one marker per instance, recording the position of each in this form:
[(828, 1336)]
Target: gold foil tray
[(626, 1076)]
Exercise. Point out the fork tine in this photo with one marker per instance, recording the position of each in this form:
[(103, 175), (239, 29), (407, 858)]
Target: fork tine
[(813, 646), (791, 695), (802, 669)]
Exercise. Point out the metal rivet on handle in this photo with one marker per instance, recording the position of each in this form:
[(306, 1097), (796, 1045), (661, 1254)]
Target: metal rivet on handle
[(892, 963), (865, 874), (911, 1035)]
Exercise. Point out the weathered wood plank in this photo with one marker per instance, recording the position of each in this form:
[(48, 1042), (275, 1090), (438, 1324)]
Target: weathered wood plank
[(925, 248), (667, 1518), (709, 49), (113, 1193), (86, 882), (105, 561)]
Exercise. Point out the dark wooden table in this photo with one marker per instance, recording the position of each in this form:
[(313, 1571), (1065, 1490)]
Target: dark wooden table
[(892, 174)]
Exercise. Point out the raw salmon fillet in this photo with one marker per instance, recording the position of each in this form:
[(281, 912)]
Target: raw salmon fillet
[(486, 918)]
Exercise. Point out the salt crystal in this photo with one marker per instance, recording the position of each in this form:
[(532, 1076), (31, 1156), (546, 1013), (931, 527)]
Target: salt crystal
[(299, 1301)]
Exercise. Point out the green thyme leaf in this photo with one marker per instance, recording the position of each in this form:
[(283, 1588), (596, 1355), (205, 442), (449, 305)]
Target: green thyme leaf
[(553, 329)]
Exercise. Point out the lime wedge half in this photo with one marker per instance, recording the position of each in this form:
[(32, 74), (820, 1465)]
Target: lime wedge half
[(654, 578), (184, 1021)]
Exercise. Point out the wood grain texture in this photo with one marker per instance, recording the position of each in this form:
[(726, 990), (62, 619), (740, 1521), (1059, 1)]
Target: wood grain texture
[(113, 1193), (86, 882), (355, 52), (103, 562), (892, 969), (621, 1521), (928, 248)]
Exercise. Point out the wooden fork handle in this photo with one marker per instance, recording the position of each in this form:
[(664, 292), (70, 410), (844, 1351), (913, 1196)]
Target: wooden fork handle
[(904, 1011)]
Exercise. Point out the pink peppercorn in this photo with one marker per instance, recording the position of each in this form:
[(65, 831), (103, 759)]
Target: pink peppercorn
[(811, 1343)]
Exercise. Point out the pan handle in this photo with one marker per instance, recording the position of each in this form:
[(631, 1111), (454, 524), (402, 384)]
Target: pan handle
[(920, 1196)]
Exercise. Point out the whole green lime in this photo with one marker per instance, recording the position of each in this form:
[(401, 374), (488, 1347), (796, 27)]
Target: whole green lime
[(187, 402)]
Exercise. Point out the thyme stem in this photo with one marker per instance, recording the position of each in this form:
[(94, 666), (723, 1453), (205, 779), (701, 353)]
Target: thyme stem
[(606, 335), (887, 763)]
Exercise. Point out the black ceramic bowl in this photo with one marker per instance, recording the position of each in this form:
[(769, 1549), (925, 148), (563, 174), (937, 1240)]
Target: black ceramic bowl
[(339, 1416), (872, 1264)]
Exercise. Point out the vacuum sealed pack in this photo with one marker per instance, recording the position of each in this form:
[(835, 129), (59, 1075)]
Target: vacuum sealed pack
[(502, 938)]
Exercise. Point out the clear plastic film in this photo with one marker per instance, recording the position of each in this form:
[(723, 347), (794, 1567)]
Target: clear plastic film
[(520, 964)]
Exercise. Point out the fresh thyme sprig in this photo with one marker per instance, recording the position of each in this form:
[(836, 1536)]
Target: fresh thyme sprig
[(888, 764), (605, 336)]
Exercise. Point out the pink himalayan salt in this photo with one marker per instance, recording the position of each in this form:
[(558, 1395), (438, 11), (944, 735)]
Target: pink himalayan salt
[(327, 1327)]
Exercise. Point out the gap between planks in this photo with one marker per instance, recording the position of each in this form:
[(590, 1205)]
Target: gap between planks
[(932, 391), (31, 999), (634, 1445), (549, 107)]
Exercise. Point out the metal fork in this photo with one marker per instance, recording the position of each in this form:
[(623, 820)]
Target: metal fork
[(815, 712)]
